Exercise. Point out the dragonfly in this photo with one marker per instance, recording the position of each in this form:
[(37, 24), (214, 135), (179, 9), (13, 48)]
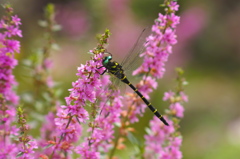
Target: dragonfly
[(118, 70)]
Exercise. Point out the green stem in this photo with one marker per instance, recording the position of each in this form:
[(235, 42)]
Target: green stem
[(115, 146)]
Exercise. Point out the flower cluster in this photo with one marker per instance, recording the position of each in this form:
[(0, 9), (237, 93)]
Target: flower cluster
[(158, 48), (103, 127), (9, 27), (176, 107), (164, 142), (90, 90), (157, 136), (159, 44), (26, 144)]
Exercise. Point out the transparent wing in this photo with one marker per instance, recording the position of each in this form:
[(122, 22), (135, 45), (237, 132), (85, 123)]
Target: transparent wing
[(118, 84), (131, 61)]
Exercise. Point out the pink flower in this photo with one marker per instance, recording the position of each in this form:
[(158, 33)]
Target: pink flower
[(13, 31), (168, 95), (178, 109), (184, 96), (28, 150), (2, 23), (172, 153), (16, 20), (12, 46), (86, 152), (177, 141), (174, 20), (77, 111), (8, 151), (169, 37), (173, 6)]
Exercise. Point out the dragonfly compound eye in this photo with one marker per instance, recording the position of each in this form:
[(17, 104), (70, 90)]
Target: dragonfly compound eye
[(106, 60)]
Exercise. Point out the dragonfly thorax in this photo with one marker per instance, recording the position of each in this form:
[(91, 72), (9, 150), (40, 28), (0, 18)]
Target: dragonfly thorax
[(106, 60), (113, 67)]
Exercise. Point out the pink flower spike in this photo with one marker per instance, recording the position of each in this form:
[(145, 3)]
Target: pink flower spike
[(9, 99)]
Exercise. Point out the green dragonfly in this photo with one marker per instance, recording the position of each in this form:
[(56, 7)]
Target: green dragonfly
[(117, 70)]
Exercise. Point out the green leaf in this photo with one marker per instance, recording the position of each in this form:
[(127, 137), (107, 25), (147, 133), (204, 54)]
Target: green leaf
[(179, 70), (49, 9), (56, 27), (19, 154), (27, 97), (58, 92), (185, 83), (46, 96), (43, 23), (149, 131), (27, 62), (132, 139), (118, 124), (55, 46), (49, 145)]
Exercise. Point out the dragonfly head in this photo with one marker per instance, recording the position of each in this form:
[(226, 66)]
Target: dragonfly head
[(107, 59)]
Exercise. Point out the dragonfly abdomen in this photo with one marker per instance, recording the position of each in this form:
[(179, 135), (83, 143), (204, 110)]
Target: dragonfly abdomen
[(154, 110)]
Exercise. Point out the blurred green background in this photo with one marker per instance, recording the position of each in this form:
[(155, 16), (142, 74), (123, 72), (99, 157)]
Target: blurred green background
[(208, 50)]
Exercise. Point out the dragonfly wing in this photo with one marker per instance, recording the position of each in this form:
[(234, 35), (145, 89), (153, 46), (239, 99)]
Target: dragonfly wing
[(131, 60)]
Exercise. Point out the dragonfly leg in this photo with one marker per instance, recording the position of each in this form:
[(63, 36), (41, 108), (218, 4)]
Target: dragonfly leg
[(100, 67), (103, 71)]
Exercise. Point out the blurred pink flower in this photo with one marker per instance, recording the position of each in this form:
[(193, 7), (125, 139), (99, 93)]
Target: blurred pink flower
[(168, 95), (193, 21), (74, 22), (178, 109)]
